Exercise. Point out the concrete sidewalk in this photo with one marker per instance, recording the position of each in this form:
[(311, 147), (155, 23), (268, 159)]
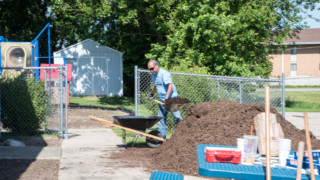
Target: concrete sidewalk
[(297, 119), (85, 155)]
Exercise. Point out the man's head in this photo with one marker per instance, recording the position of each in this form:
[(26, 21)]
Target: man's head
[(153, 66)]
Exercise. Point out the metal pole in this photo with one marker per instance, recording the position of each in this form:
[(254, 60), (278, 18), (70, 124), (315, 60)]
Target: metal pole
[(66, 100), (45, 79), (136, 90), (218, 89), (49, 50), (61, 103), (240, 91), (283, 100), (282, 62), (41, 32)]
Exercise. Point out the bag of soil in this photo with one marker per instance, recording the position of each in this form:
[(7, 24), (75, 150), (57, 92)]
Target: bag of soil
[(275, 133)]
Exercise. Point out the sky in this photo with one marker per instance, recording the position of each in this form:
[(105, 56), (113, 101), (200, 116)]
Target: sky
[(316, 13)]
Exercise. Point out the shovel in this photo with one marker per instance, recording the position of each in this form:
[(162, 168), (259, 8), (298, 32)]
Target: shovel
[(173, 104)]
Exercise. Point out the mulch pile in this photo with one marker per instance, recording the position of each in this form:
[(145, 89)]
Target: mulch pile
[(219, 123)]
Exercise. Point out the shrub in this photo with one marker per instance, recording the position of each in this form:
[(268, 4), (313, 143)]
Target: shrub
[(24, 103)]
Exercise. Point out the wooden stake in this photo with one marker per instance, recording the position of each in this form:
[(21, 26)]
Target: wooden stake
[(306, 124), (300, 159), (267, 130)]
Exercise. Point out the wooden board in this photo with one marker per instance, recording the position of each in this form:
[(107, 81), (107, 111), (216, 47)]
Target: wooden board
[(125, 128)]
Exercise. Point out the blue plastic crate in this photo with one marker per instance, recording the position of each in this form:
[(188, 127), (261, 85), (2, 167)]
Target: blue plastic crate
[(160, 175), (239, 171)]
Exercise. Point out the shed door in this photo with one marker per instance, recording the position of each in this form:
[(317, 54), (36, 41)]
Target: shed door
[(100, 77), (115, 74), (83, 79), (74, 63)]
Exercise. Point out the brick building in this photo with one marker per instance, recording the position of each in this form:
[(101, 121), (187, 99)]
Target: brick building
[(302, 58)]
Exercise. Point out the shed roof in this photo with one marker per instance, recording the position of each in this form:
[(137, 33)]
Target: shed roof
[(306, 37), (88, 41)]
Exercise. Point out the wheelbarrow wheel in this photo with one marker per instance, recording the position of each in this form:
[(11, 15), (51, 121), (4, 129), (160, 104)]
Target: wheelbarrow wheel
[(153, 143)]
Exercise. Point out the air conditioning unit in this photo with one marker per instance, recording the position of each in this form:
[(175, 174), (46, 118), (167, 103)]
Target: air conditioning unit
[(15, 54)]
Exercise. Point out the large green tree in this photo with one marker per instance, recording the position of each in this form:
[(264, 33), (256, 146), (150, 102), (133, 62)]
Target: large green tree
[(229, 37)]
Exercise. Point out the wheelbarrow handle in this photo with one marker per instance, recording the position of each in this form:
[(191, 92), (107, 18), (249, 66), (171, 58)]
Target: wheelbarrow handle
[(126, 128)]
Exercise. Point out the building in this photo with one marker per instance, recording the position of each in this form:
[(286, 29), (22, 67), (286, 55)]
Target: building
[(302, 58), (96, 69)]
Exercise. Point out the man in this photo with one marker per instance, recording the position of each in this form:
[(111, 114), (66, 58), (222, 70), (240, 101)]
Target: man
[(166, 90)]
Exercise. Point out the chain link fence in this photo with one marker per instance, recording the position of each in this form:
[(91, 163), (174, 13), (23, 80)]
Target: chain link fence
[(33, 101), (202, 88)]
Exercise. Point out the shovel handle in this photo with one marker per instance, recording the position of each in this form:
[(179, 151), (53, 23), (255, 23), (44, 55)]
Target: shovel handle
[(311, 167), (159, 102)]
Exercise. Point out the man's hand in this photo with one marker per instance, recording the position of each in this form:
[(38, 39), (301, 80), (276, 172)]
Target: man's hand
[(166, 100)]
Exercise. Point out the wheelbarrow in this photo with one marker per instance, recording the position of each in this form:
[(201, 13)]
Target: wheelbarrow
[(138, 125)]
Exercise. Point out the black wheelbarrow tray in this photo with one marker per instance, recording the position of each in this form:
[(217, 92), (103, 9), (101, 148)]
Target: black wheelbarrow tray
[(138, 125)]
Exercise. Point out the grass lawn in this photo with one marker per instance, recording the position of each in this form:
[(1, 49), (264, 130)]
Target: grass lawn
[(126, 102), (297, 101)]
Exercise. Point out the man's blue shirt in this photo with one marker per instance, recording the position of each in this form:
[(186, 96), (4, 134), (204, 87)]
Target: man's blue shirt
[(161, 80)]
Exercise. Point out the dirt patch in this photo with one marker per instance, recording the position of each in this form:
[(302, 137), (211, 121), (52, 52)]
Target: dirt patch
[(27, 169), (217, 123), (78, 118)]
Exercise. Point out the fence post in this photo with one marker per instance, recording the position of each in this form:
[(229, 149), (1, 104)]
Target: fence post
[(45, 79), (61, 102), (218, 89), (283, 100), (66, 100), (240, 91), (136, 90)]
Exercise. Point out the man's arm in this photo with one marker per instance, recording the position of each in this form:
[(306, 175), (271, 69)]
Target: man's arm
[(170, 87), (154, 90)]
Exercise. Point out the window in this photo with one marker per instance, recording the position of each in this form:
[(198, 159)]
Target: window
[(293, 51), (293, 67)]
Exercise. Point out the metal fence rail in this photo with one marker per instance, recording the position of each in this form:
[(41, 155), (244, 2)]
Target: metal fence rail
[(202, 88), (303, 81), (32, 104)]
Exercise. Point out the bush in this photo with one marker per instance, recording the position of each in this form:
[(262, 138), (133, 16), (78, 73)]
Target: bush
[(25, 105)]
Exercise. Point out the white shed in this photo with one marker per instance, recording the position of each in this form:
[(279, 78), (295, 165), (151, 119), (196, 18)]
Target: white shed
[(96, 69)]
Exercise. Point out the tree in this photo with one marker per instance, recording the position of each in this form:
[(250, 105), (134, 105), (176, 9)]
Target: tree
[(228, 37), (23, 20)]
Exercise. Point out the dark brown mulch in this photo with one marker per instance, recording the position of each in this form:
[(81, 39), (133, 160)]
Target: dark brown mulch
[(177, 100), (217, 123)]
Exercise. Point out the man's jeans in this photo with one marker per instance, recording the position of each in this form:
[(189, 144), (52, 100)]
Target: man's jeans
[(163, 121)]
